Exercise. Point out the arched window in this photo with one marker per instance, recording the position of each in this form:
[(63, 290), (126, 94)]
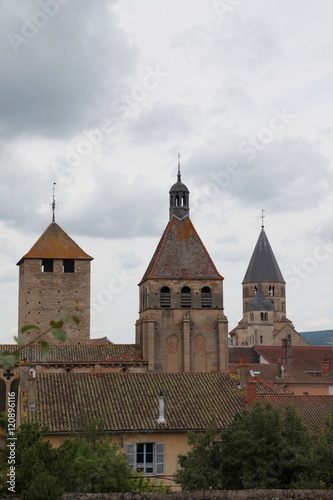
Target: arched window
[(264, 316), (206, 297), (3, 395), (165, 296), (271, 291), (251, 316), (185, 300)]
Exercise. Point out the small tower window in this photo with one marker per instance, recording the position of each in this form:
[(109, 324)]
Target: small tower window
[(68, 265), (271, 291), (165, 298), (255, 290), (185, 300), (263, 316), (47, 265), (251, 317), (206, 297), (261, 339)]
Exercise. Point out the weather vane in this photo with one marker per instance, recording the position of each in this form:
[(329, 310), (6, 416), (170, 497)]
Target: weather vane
[(53, 204), (262, 218)]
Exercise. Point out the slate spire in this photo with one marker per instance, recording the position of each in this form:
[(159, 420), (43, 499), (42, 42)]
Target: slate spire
[(263, 265)]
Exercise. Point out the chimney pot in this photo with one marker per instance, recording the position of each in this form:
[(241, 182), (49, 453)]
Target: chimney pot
[(251, 392)]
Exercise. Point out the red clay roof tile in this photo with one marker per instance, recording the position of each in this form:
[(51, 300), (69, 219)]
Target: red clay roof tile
[(181, 254), (55, 243)]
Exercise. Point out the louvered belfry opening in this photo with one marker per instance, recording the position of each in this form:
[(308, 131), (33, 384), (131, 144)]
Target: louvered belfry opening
[(206, 297), (165, 299), (185, 297)]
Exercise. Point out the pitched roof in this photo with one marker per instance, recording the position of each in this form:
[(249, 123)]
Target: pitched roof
[(304, 358), (250, 355), (181, 254), (55, 243), (313, 410), (268, 374), (78, 354), (263, 265), (130, 402)]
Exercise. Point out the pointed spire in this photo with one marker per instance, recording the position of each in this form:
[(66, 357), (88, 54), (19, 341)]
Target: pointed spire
[(262, 218), (263, 265), (53, 203), (260, 303), (179, 178)]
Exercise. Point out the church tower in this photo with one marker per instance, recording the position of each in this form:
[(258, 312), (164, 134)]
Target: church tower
[(181, 325), (263, 267), (264, 319), (53, 276)]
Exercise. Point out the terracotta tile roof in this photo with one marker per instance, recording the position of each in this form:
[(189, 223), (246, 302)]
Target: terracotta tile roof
[(313, 410), (248, 352), (55, 243), (304, 358), (100, 341), (129, 402), (181, 254), (78, 354)]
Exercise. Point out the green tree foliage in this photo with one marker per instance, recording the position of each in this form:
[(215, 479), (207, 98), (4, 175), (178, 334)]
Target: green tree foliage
[(260, 449)]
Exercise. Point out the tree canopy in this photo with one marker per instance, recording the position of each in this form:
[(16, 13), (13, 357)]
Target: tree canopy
[(260, 449)]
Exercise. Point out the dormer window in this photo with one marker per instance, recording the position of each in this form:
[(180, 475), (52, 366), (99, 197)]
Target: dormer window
[(47, 265)]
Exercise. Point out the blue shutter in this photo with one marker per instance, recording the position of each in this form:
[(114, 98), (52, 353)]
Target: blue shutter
[(130, 452), (159, 449)]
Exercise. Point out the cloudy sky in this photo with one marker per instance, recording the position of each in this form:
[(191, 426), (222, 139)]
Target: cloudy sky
[(100, 96)]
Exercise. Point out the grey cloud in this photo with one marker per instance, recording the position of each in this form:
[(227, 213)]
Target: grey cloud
[(282, 175), (163, 122), (67, 74), (234, 44)]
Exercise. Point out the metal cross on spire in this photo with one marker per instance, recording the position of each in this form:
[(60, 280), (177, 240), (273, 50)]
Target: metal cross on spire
[(262, 218), (53, 205), (178, 175)]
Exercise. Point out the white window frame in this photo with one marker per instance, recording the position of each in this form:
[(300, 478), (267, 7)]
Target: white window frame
[(158, 453)]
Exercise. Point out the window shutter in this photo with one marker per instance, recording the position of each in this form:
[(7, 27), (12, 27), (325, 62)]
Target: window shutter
[(159, 458), (130, 452)]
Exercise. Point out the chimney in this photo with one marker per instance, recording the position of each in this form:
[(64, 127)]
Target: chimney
[(161, 419), (24, 368), (279, 368), (244, 372), (289, 358), (32, 390), (284, 350), (325, 367), (251, 392)]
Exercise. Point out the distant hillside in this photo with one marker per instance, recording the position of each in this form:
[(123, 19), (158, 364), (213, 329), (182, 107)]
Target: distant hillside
[(322, 337)]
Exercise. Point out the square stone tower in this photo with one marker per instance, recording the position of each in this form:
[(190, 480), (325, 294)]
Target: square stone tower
[(53, 276), (181, 325)]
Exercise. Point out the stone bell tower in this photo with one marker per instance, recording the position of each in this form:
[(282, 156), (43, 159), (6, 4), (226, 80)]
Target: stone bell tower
[(53, 276), (181, 325)]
